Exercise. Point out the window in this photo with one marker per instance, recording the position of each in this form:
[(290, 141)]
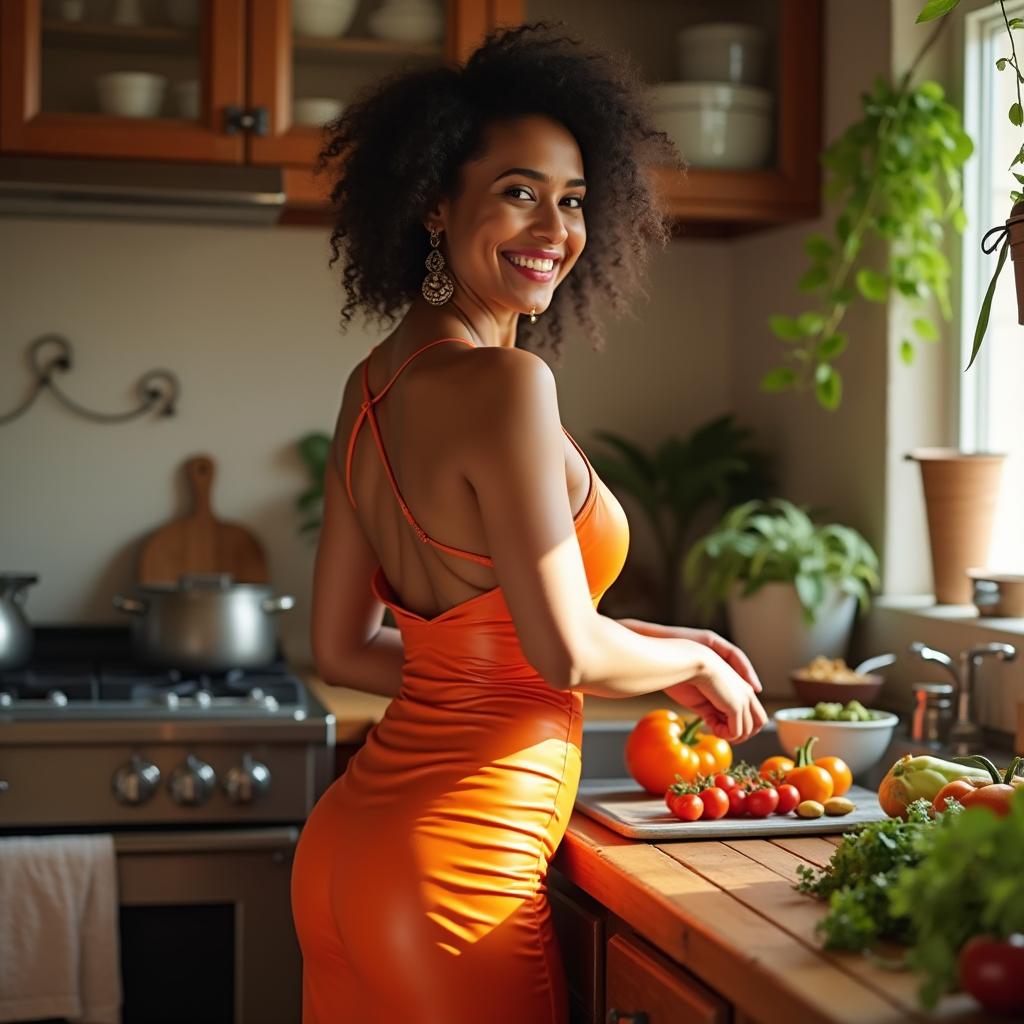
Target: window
[(991, 405)]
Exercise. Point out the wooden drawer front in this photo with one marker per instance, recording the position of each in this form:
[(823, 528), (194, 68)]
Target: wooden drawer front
[(644, 987), (581, 939)]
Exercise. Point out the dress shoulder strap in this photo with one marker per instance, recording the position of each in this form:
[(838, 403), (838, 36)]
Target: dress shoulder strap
[(366, 411)]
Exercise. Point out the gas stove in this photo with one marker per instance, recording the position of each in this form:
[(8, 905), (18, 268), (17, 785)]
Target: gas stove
[(89, 672)]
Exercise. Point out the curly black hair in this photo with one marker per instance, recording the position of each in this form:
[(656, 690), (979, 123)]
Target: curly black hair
[(399, 147)]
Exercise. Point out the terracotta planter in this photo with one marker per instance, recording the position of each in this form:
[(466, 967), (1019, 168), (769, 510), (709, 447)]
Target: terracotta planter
[(960, 493), (1015, 225)]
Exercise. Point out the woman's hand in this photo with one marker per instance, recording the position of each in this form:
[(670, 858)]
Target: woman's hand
[(728, 652), (724, 699)]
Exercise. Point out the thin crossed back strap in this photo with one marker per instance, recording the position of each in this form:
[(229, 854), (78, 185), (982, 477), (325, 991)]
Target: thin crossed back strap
[(366, 410)]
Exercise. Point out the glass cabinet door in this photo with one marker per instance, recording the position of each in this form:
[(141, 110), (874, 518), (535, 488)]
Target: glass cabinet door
[(311, 57), (134, 78)]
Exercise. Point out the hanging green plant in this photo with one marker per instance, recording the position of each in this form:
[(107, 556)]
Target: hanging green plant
[(897, 173)]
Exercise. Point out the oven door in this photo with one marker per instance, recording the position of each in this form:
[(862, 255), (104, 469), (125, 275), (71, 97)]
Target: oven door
[(206, 927)]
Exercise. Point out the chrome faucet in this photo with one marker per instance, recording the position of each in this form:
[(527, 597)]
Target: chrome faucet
[(965, 736)]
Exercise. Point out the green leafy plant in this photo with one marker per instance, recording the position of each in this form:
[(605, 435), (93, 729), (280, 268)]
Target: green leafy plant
[(936, 9), (774, 541), (314, 449), (897, 174), (715, 467)]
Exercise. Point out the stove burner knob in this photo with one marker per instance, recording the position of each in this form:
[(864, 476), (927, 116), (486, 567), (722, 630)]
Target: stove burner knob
[(247, 782), (203, 698), (192, 782), (135, 782), (58, 698), (6, 699)]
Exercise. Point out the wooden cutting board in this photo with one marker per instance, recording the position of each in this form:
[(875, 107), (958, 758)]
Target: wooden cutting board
[(200, 543), (631, 811)]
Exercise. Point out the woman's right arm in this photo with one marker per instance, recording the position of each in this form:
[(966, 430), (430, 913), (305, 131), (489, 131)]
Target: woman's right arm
[(516, 466)]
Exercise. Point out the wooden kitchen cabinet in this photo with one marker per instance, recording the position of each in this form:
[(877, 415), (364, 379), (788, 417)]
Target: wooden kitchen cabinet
[(579, 924), (643, 986), (248, 62)]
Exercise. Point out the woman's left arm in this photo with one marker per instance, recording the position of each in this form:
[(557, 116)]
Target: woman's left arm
[(729, 652)]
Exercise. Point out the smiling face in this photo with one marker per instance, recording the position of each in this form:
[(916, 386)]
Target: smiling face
[(515, 227)]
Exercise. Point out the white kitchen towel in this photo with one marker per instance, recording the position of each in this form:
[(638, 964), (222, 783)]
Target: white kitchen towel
[(59, 950)]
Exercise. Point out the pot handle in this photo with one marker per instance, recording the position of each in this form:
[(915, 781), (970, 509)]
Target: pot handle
[(129, 605), (277, 604)]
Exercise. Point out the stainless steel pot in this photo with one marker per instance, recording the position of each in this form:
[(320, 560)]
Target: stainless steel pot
[(15, 631), (204, 623)]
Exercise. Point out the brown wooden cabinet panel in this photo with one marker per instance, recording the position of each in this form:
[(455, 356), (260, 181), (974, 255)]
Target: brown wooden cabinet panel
[(643, 987), (579, 923), (49, 91)]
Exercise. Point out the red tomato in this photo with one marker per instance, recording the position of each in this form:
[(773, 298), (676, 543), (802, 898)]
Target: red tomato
[(991, 969), (761, 802), (724, 781), (688, 807), (957, 790), (789, 797), (716, 802), (737, 802)]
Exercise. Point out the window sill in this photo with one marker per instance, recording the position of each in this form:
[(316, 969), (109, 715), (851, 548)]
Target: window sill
[(924, 609)]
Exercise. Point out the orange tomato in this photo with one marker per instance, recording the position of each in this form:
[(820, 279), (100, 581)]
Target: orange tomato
[(842, 777), (659, 748), (812, 782), (719, 750), (775, 768)]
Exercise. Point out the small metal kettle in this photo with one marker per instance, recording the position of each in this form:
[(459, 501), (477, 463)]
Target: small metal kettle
[(15, 631)]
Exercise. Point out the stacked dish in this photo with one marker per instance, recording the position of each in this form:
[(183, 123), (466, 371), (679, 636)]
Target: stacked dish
[(718, 115)]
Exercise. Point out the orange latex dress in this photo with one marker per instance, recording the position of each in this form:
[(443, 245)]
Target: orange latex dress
[(419, 883)]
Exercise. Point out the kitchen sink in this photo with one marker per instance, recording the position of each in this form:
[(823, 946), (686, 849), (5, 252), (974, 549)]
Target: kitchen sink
[(604, 742)]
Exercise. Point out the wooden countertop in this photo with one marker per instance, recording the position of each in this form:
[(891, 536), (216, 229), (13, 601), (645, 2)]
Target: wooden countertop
[(726, 911)]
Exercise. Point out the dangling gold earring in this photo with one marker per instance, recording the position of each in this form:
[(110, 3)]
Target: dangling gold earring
[(437, 286), (533, 315)]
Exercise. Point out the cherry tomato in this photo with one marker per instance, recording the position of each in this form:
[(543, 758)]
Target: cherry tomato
[(777, 767), (724, 781), (842, 777), (991, 969), (789, 797), (716, 802), (659, 748), (737, 802), (761, 802), (718, 748), (688, 807)]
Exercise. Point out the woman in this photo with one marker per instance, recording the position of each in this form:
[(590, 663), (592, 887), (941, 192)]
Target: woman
[(456, 499)]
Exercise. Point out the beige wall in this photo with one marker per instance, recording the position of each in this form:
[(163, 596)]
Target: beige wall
[(247, 317)]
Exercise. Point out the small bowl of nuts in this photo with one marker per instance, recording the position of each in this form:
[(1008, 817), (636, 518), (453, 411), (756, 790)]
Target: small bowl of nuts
[(831, 679)]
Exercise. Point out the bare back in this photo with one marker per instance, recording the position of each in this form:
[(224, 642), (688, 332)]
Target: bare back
[(432, 422)]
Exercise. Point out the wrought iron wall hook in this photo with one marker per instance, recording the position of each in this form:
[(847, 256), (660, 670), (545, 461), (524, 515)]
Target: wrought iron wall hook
[(156, 389)]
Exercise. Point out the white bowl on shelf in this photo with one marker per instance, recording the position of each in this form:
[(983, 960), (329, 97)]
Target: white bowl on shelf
[(131, 93), (722, 51), (860, 744), (316, 110), (325, 19), (407, 21), (714, 124)]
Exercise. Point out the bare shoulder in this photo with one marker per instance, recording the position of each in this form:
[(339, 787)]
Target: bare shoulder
[(510, 384)]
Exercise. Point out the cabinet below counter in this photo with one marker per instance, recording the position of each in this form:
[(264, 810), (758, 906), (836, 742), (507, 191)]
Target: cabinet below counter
[(721, 915)]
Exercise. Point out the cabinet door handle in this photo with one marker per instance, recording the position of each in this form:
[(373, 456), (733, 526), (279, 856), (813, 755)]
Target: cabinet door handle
[(256, 120), (622, 1017)]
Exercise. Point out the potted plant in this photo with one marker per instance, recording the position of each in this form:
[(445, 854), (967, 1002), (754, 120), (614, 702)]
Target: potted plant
[(712, 469), (1012, 233), (791, 587), (897, 175), (314, 450)]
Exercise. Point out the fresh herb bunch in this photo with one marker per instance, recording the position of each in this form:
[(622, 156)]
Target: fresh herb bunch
[(890, 169), (971, 882), (774, 541), (860, 875)]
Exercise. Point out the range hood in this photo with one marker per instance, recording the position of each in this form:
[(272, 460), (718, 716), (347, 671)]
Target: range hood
[(137, 190)]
